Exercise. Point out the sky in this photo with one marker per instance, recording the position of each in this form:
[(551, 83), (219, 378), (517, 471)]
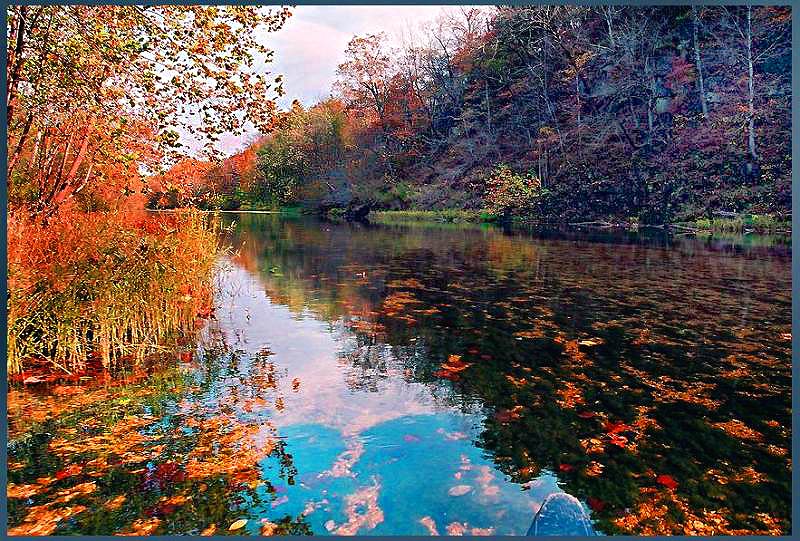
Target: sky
[(312, 42)]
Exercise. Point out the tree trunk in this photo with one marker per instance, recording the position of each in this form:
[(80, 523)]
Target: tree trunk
[(698, 62), (751, 132), (23, 138), (488, 109), (578, 110), (67, 186), (650, 100), (16, 64)]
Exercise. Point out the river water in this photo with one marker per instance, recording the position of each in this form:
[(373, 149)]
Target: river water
[(420, 379)]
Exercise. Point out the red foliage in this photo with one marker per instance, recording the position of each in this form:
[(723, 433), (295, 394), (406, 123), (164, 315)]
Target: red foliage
[(667, 481)]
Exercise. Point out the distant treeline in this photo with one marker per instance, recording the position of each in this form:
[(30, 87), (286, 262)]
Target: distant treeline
[(545, 112)]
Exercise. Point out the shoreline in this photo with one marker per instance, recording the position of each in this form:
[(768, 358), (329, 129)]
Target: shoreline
[(457, 216)]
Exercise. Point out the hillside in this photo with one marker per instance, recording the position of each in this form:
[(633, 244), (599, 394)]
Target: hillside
[(550, 113)]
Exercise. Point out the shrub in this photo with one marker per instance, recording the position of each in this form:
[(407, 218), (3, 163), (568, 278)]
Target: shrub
[(511, 194), (105, 285), (703, 223), (164, 200)]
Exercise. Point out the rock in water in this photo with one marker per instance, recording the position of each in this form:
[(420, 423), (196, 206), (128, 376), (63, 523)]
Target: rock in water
[(562, 515)]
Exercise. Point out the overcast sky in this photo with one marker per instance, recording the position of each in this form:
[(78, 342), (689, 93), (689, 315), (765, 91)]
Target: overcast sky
[(312, 42)]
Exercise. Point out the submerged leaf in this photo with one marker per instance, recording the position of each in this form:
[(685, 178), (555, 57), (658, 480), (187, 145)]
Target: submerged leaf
[(460, 490)]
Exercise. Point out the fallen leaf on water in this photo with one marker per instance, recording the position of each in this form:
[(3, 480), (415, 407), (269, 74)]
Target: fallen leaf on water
[(460, 490), (616, 427), (69, 494), (69, 471), (115, 503), (737, 429), (430, 525), (445, 374), (143, 527), (594, 469), (268, 528), (452, 368), (619, 441), (237, 525), (566, 468), (534, 333), (570, 396), (667, 481), (22, 491), (586, 414), (209, 530), (456, 528), (595, 504), (505, 416), (592, 445), (591, 342), (42, 520)]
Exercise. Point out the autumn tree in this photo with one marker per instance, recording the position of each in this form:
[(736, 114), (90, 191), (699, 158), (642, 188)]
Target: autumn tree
[(87, 83), (363, 78), (757, 40)]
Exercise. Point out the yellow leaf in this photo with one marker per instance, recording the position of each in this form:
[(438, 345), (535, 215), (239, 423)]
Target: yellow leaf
[(238, 524)]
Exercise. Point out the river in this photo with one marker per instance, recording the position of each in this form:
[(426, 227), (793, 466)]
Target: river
[(420, 379)]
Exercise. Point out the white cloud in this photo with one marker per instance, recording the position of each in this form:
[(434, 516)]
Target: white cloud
[(311, 45)]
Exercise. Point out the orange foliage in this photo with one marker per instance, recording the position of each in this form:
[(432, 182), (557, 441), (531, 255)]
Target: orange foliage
[(185, 176), (98, 283)]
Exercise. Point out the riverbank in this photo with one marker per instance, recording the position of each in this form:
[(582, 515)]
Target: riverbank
[(745, 224), (444, 216)]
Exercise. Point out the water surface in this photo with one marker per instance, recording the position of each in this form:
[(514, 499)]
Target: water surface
[(424, 379)]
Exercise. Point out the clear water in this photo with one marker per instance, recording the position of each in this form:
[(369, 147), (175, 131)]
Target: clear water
[(415, 379)]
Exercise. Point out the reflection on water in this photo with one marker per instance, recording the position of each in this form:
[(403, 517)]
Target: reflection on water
[(420, 380)]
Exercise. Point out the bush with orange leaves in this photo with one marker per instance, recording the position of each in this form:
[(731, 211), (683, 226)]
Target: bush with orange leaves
[(105, 285)]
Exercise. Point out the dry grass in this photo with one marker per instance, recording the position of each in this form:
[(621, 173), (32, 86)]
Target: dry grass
[(105, 285)]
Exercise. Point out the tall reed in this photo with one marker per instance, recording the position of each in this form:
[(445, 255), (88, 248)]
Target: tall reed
[(105, 285)]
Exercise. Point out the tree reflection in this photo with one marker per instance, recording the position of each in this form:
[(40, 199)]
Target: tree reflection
[(653, 380), (175, 452)]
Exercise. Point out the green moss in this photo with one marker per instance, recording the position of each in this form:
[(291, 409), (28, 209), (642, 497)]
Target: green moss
[(444, 216), (758, 223)]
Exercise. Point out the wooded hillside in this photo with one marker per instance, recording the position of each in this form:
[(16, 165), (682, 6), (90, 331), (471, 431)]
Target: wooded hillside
[(548, 112)]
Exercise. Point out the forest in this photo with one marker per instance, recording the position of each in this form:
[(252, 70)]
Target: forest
[(547, 113)]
